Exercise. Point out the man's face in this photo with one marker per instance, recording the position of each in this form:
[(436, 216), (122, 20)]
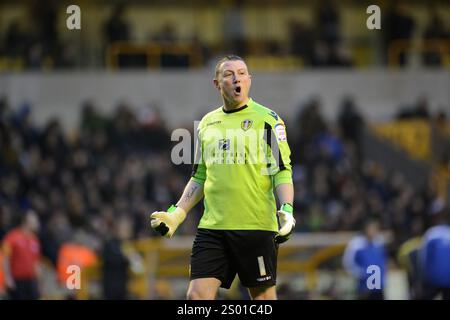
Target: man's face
[(33, 221), (233, 81), (372, 230)]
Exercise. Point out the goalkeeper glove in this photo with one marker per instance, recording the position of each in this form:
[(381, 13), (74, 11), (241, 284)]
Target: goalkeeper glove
[(286, 222), (165, 223)]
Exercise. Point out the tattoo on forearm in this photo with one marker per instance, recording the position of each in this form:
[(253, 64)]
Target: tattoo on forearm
[(191, 192)]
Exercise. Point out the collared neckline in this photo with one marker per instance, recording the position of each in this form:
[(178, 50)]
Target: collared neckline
[(238, 109)]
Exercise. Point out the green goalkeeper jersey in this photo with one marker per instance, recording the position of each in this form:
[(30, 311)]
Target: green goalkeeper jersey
[(242, 155)]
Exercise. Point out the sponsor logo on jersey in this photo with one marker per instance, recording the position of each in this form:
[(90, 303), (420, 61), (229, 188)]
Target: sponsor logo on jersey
[(224, 144), (280, 132), (214, 122), (246, 124)]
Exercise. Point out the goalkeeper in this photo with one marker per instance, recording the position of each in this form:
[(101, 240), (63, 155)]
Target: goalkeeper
[(241, 228)]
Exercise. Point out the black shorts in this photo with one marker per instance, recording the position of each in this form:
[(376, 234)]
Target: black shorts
[(24, 290), (221, 254)]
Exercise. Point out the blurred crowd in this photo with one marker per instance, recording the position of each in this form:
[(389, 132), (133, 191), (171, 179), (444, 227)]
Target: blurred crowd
[(319, 43), (81, 185), (95, 187), (337, 187)]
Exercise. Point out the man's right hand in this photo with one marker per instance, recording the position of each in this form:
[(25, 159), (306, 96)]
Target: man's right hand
[(166, 223)]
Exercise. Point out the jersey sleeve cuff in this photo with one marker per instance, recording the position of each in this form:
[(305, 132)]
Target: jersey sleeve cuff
[(281, 177), (199, 181)]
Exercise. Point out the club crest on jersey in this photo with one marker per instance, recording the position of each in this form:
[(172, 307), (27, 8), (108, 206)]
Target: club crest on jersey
[(224, 144), (280, 131), (246, 124)]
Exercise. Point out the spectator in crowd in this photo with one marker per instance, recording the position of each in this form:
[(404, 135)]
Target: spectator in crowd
[(152, 130), (167, 34), (43, 45), (75, 252), (420, 110), (55, 233), (310, 124), (201, 48), (92, 121), (116, 27), (435, 255), (328, 23), (398, 25), (434, 31), (440, 145), (234, 28), (16, 40), (45, 14), (408, 258), (351, 124), (2, 277), (167, 38), (329, 51), (115, 262), (301, 41), (362, 253), (22, 252)]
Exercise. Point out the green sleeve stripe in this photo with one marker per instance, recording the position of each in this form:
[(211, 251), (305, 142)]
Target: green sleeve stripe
[(199, 173), (282, 177), (198, 180)]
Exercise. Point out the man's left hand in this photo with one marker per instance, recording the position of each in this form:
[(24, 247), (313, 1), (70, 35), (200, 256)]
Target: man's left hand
[(287, 223)]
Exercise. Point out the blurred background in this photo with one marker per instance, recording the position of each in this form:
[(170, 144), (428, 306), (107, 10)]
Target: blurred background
[(86, 118)]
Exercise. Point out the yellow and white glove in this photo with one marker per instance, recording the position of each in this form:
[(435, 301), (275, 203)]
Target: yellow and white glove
[(166, 223), (286, 223)]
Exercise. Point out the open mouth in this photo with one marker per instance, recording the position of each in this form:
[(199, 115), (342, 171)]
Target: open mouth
[(237, 90)]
